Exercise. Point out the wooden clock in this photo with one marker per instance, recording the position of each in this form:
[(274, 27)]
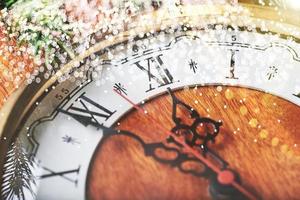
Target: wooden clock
[(195, 102)]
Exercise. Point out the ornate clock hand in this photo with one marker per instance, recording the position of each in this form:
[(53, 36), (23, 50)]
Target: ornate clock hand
[(198, 120), (224, 176), (150, 149)]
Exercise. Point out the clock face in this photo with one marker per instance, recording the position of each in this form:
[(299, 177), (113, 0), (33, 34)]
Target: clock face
[(188, 115)]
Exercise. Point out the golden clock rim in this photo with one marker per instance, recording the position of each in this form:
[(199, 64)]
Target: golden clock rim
[(23, 100)]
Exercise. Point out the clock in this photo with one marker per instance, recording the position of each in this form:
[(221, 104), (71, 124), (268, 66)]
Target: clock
[(195, 102)]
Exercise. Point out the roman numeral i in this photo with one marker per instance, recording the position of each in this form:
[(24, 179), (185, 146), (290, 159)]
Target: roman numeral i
[(232, 64)]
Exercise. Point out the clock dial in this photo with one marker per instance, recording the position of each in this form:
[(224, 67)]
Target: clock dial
[(146, 160), (199, 114)]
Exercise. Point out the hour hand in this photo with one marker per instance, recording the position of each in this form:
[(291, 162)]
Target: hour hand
[(193, 136), (175, 103)]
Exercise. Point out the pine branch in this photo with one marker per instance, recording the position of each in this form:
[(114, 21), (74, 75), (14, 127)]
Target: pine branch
[(7, 3), (18, 175), (43, 26)]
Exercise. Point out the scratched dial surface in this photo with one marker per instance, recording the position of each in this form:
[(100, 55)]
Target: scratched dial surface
[(70, 142)]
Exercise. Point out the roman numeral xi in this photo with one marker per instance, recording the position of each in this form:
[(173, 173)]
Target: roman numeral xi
[(86, 116)]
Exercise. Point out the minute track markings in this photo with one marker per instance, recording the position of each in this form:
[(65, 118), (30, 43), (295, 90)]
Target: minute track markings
[(177, 39)]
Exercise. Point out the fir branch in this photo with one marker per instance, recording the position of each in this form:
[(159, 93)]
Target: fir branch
[(7, 3), (18, 175), (56, 31), (41, 24)]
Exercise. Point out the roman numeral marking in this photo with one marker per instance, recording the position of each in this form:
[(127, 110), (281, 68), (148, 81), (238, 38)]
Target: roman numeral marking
[(232, 64), (63, 174), (156, 71), (84, 115)]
